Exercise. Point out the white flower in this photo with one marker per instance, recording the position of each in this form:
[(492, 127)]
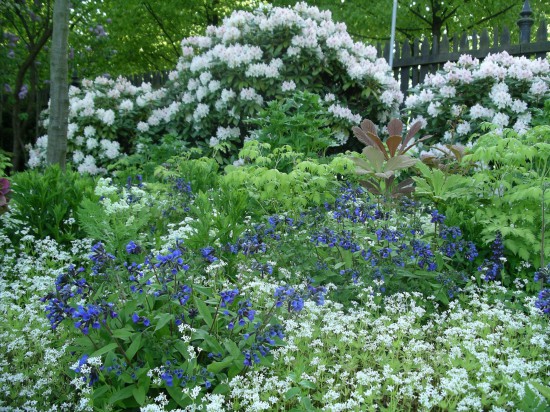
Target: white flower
[(143, 127), (288, 86), (500, 96), (91, 143), (501, 119), (201, 112), (106, 116), (463, 128), (89, 131), (110, 148), (126, 105)]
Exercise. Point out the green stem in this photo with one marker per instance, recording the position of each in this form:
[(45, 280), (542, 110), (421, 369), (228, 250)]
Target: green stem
[(119, 345)]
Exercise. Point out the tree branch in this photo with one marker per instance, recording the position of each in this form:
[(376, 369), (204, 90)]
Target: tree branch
[(161, 25), (483, 20)]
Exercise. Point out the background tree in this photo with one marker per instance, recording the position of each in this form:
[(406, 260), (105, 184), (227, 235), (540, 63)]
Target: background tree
[(370, 20), (59, 86)]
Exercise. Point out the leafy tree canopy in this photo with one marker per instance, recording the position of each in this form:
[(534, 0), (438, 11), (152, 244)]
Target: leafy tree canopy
[(370, 20)]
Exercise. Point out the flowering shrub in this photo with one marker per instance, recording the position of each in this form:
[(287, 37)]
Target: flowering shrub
[(503, 90), (230, 73), (104, 119)]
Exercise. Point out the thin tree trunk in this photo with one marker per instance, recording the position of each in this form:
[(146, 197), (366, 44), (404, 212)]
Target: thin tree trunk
[(59, 85)]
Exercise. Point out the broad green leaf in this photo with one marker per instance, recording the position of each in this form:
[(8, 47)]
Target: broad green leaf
[(122, 394), (292, 392), (135, 346), (217, 367), (163, 319), (139, 394), (123, 333), (105, 349), (204, 311)]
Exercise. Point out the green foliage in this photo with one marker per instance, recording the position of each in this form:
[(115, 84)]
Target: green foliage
[(5, 162), (119, 214), (46, 203), (508, 192), (281, 180), (299, 121), (201, 173), (438, 186), (148, 156)]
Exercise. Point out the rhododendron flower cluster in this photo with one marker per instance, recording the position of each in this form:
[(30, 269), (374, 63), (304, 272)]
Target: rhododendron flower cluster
[(502, 90), (227, 75), (105, 116)]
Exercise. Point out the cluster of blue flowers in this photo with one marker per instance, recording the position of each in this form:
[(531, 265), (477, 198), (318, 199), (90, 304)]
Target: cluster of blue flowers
[(491, 268), (100, 257), (172, 261), (263, 344), (208, 254), (171, 370), (543, 299), (90, 378)]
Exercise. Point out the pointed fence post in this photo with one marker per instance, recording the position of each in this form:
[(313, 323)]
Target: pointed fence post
[(525, 23)]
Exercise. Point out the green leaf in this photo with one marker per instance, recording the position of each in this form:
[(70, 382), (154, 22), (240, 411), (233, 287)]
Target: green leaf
[(105, 349), (292, 392), (135, 346), (123, 333), (163, 319), (177, 395), (217, 367), (139, 394), (221, 389), (124, 393), (307, 384), (204, 311), (99, 392), (544, 390), (232, 348)]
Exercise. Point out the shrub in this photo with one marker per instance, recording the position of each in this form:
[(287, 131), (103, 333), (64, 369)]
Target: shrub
[(104, 119), (282, 180), (503, 90), (506, 193), (229, 74)]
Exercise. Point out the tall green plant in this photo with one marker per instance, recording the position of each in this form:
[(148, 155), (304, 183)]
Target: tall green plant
[(46, 203)]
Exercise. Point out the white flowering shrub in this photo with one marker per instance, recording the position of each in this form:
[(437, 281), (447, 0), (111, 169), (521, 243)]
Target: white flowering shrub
[(502, 90), (105, 116), (230, 73)]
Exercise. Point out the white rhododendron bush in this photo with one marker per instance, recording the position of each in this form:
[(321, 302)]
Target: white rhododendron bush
[(503, 90), (103, 119), (226, 76)]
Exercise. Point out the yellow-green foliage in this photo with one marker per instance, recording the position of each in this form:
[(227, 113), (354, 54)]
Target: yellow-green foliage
[(281, 180)]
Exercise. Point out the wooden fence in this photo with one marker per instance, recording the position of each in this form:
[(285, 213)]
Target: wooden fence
[(412, 62)]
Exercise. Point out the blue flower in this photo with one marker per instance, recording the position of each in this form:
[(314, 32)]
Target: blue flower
[(492, 268), (437, 217), (208, 254), (132, 248), (543, 274), (543, 301), (140, 319), (227, 297)]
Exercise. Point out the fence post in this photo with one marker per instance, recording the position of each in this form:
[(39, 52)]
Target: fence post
[(525, 23)]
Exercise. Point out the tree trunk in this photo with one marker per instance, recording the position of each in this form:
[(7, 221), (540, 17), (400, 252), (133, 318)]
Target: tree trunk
[(59, 85)]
